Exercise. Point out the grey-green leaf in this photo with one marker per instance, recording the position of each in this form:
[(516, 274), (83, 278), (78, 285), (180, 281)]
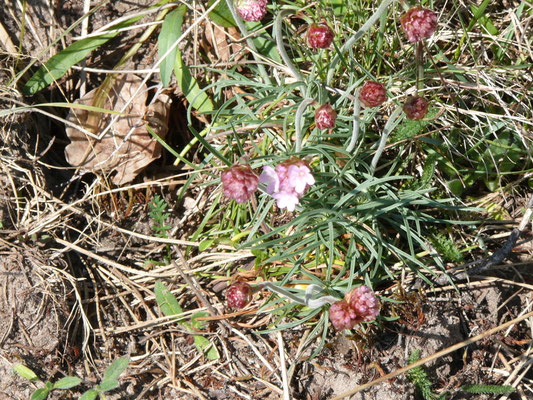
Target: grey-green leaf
[(170, 32), (202, 344), (116, 368), (67, 382), (40, 394), (108, 384), (166, 300), (25, 372), (89, 395)]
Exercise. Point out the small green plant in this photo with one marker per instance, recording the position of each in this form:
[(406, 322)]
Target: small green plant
[(488, 389), (169, 306), (158, 206), (42, 393), (447, 248), (420, 378), (110, 380)]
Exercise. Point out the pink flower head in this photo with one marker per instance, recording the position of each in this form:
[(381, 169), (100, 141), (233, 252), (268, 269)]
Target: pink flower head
[(363, 302), (341, 316), (239, 182), (418, 24), (238, 295), (372, 94), (251, 10), (325, 117), (416, 108), (319, 36), (287, 182)]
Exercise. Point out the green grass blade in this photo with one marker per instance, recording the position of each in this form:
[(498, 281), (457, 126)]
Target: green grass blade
[(170, 32)]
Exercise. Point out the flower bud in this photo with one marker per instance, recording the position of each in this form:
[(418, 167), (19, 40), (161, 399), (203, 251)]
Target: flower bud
[(363, 302), (415, 108), (319, 36), (238, 295), (251, 10), (372, 94), (325, 117), (418, 23), (239, 182)]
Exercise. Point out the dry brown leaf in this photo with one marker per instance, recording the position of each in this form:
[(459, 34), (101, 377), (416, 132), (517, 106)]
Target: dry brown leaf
[(219, 42), (127, 148)]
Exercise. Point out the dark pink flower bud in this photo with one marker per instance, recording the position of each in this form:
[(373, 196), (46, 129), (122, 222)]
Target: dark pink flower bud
[(415, 108), (372, 94), (325, 117), (319, 36), (251, 10), (238, 295), (418, 23), (239, 182), (363, 302), (341, 316)]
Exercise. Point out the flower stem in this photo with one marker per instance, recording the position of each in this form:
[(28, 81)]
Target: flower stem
[(306, 301), (386, 131), (249, 41), (381, 9), (356, 117), (298, 122), (281, 46), (419, 68)]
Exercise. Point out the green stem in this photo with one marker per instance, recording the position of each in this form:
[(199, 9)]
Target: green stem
[(386, 131), (381, 9), (249, 41), (281, 46), (298, 122), (355, 128)]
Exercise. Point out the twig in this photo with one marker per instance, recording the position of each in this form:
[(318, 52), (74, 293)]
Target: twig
[(498, 256)]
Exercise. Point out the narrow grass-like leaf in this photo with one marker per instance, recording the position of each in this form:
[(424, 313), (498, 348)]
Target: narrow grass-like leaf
[(58, 65), (189, 86), (170, 32)]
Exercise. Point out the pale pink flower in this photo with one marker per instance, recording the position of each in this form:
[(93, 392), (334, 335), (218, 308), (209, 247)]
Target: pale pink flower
[(300, 177), (239, 182), (251, 10), (288, 200), (270, 178)]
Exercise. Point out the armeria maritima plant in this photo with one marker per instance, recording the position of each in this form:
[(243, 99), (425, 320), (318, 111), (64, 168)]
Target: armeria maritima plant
[(325, 117), (239, 182), (238, 295), (418, 24), (251, 10), (372, 94), (288, 182), (415, 108), (319, 36), (359, 304)]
